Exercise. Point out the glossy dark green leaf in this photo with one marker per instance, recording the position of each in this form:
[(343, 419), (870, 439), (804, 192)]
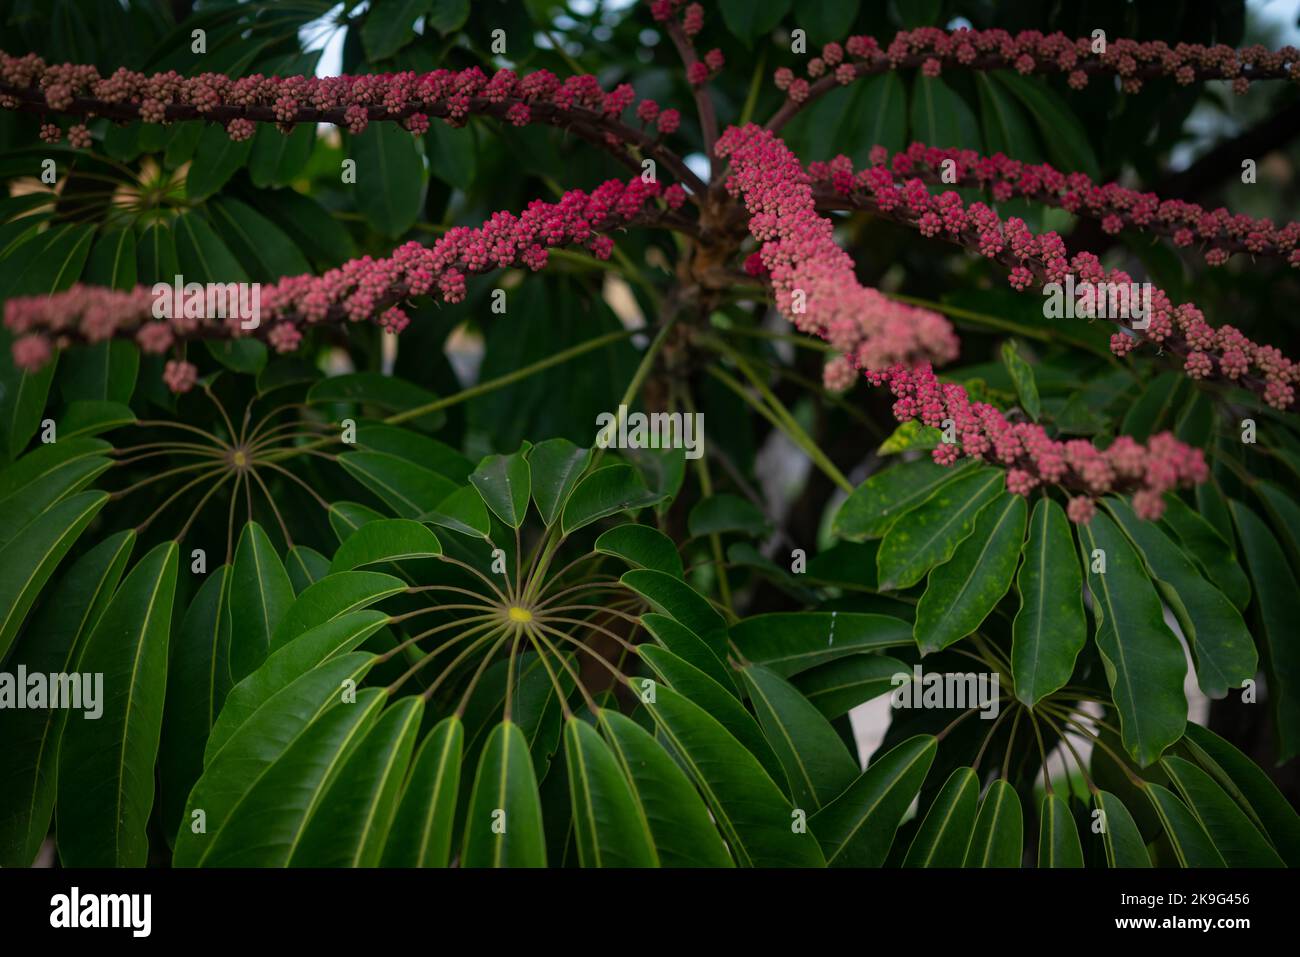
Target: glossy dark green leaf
[(837, 687), (41, 479), (998, 837), (106, 766), (1058, 837), (1123, 842), (333, 596), (231, 771), (270, 825), (198, 680), (1144, 661), (1221, 645), (1022, 375), (216, 159), (350, 826), (201, 256), (452, 154), (305, 567), (265, 252), (388, 540), (408, 489), (278, 158), (1050, 629), (30, 559), (390, 25), (555, 465), (858, 827), (503, 827), (422, 829), (684, 835), (609, 826), (84, 418), (385, 393), (1191, 843), (642, 546), (504, 482), (790, 642), (727, 513), (1235, 836), (756, 819), (1256, 795), (1067, 142), (678, 600), (1275, 591), (389, 190), (817, 765), (1007, 130), (462, 511), (50, 645), (604, 492), (964, 590), (749, 19), (112, 262), (260, 594), (944, 834), (156, 252), (940, 117), (930, 533), (690, 647), (875, 505), (22, 403)]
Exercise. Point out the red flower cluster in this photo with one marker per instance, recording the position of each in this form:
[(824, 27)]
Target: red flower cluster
[(812, 278), (1031, 51), (1037, 260), (1032, 458), (359, 289), (1218, 232)]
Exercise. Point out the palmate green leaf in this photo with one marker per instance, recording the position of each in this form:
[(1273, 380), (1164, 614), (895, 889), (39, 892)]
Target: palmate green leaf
[(1191, 843), (198, 680), (333, 596), (1050, 629), (604, 492), (27, 562), (787, 643), (875, 505), (858, 827), (83, 418), (817, 765), (504, 482), (642, 546), (388, 540), (1237, 839), (39, 480), (1215, 555), (201, 256), (931, 532), (350, 826), (421, 834), (944, 834), (964, 590), (50, 645), (837, 687), (555, 466), (1223, 649), (462, 511), (296, 657), (1123, 842), (106, 766), (1256, 795), (676, 599), (1058, 837), (278, 158), (261, 247), (1275, 591), (503, 827), (1067, 142), (1143, 659), (998, 837), (408, 489), (305, 566), (693, 684), (390, 178), (260, 594), (112, 264), (754, 816), (609, 825), (688, 646), (233, 769), (269, 826), (679, 823), (940, 117)]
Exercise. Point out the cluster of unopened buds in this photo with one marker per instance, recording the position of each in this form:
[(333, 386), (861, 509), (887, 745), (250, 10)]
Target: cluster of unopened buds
[(1030, 51), (1036, 260), (359, 289), (1032, 458), (1218, 232)]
